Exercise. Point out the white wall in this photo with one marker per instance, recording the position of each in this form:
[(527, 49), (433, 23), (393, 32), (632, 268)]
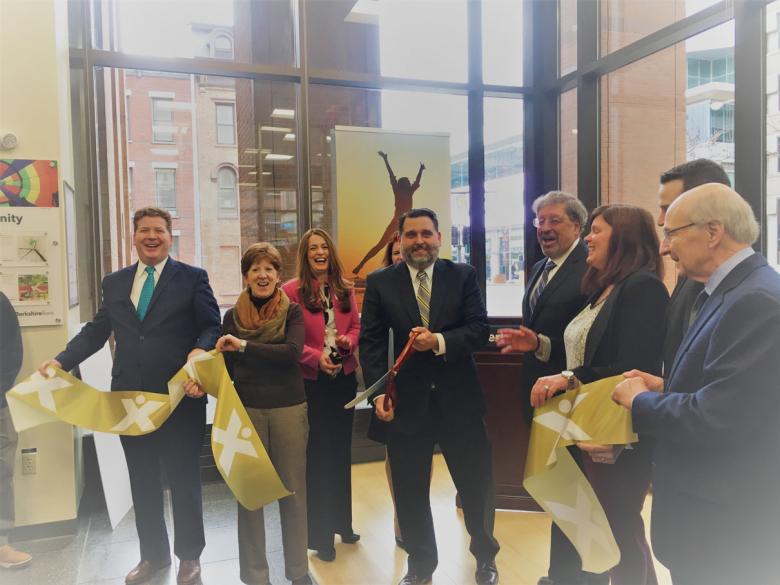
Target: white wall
[(34, 105)]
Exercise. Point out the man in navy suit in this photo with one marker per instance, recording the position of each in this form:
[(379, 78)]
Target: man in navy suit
[(161, 312), (716, 518), (439, 395)]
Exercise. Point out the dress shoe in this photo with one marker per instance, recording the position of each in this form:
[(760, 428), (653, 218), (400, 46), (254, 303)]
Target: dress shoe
[(144, 570), (414, 579), (189, 572), (327, 554), (10, 558), (305, 580), (350, 538), (487, 573)]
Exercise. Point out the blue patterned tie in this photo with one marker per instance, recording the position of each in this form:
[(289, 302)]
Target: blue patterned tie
[(542, 283), (146, 293)]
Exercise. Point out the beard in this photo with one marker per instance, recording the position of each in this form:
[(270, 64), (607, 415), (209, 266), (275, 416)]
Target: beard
[(419, 261)]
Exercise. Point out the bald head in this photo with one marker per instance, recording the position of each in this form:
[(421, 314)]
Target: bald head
[(705, 226), (717, 203)]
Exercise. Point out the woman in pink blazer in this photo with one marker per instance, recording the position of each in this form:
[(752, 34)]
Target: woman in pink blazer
[(328, 364)]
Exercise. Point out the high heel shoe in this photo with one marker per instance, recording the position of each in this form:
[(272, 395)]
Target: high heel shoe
[(327, 554), (351, 538)]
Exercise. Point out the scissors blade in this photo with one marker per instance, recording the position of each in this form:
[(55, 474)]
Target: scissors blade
[(378, 385)]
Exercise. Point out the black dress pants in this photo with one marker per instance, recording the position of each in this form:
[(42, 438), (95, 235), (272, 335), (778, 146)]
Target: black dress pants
[(176, 446), (467, 451), (329, 458)]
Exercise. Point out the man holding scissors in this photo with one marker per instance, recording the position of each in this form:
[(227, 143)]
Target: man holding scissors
[(438, 394)]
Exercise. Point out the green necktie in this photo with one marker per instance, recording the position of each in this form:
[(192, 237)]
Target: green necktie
[(146, 293)]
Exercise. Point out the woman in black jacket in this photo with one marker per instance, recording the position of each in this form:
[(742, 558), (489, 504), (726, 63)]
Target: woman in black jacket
[(620, 328)]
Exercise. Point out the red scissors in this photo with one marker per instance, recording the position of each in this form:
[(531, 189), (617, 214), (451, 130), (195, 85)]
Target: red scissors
[(391, 395)]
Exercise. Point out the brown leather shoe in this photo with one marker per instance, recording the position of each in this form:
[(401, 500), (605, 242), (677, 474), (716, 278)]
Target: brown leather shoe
[(189, 572), (144, 570)]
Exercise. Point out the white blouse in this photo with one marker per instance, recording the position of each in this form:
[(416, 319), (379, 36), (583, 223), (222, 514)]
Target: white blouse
[(575, 336)]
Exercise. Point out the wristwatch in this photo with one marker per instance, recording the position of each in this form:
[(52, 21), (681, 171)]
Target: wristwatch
[(242, 348), (571, 381)]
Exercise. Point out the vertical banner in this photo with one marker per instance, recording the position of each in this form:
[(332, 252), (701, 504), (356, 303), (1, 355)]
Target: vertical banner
[(373, 190), (30, 271)]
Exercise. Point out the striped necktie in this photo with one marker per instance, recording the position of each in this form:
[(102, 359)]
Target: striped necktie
[(424, 297), (146, 293), (542, 283)]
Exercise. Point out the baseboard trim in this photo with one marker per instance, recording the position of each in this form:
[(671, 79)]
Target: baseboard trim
[(45, 530)]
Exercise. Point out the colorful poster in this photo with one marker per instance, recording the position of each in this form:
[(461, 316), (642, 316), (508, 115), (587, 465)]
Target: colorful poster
[(380, 174), (28, 183)]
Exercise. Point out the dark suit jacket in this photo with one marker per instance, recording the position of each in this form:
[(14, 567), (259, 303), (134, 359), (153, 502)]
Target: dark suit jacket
[(677, 315), (457, 312), (12, 350), (560, 301), (629, 331), (716, 426), (182, 315)]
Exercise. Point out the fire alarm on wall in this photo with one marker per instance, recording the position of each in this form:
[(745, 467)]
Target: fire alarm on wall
[(8, 141)]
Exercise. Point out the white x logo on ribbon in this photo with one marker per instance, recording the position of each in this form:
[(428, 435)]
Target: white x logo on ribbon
[(231, 443), (138, 416), (44, 388)]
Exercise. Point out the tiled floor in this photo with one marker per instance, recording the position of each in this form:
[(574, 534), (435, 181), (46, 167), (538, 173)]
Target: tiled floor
[(96, 555)]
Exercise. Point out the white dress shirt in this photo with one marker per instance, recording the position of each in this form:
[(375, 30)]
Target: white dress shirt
[(416, 285), (140, 279)]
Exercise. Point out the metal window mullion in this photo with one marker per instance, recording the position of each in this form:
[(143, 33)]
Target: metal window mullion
[(750, 108)]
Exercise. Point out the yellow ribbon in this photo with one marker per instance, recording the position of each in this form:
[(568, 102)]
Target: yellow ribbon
[(586, 414), (240, 456)]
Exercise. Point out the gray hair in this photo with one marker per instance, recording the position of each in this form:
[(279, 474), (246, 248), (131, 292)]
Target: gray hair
[(726, 207), (574, 207)]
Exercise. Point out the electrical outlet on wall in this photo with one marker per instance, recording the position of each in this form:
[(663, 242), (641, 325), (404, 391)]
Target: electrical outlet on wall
[(30, 461)]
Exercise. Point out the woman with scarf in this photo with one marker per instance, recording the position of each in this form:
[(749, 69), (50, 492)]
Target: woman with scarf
[(332, 325), (262, 345)]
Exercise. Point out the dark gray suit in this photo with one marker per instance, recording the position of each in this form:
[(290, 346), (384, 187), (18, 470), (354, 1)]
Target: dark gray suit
[(439, 400)]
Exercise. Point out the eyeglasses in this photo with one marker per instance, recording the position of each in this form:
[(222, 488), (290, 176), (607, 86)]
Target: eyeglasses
[(669, 233), (552, 221)]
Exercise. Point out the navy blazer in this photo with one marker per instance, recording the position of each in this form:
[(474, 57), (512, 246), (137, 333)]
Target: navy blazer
[(457, 312), (716, 427), (182, 315)]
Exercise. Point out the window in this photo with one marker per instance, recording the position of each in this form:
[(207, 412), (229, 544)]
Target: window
[(163, 129), (175, 240), (504, 208), (165, 188), (226, 192), (223, 47), (226, 124), (637, 110), (777, 154)]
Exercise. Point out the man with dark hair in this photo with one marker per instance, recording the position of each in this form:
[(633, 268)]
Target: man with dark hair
[(10, 364), (674, 183), (161, 312), (439, 395)]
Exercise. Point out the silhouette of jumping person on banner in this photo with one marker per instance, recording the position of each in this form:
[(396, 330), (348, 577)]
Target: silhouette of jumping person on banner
[(403, 191)]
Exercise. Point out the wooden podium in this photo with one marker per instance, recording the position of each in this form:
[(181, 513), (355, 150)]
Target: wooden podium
[(507, 425)]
